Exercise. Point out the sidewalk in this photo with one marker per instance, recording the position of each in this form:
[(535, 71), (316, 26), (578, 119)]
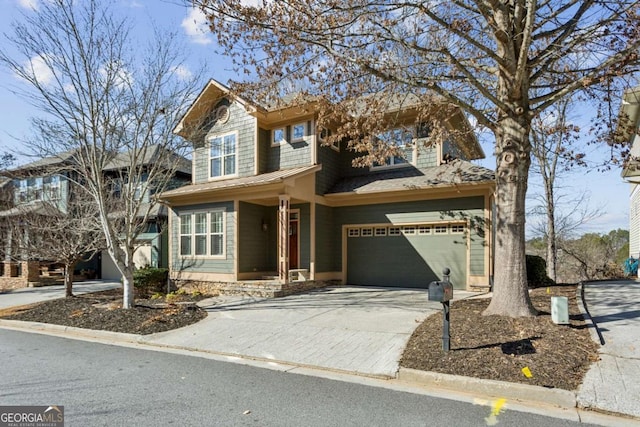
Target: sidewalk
[(24, 296), (613, 383)]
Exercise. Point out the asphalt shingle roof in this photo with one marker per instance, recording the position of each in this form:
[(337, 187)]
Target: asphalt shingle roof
[(456, 172)]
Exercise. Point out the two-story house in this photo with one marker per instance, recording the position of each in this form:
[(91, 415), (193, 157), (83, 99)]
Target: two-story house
[(628, 130), (269, 199), (45, 186)]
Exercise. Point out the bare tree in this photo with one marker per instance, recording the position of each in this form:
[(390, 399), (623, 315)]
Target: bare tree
[(6, 160), (109, 99), (554, 138), (64, 233), (494, 59)]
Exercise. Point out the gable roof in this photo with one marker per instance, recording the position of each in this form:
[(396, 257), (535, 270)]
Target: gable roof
[(458, 172), (151, 155)]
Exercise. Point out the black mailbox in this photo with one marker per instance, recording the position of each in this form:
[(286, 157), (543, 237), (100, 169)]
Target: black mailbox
[(440, 291)]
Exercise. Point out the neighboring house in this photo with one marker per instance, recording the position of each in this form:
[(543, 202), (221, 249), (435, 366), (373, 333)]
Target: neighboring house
[(45, 185), (628, 129), (152, 243), (268, 199)]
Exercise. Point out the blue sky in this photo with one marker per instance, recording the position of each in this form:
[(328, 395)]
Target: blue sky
[(607, 190)]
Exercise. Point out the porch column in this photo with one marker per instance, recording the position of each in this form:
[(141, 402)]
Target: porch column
[(283, 238)]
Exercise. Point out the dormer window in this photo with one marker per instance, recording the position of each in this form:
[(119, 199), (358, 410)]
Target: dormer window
[(298, 132), (401, 138)]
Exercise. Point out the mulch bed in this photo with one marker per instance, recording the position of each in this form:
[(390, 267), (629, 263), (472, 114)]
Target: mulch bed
[(102, 311), (498, 348)]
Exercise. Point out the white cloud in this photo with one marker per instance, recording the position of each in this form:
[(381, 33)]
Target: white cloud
[(182, 72), (195, 26), (39, 68), (29, 4)]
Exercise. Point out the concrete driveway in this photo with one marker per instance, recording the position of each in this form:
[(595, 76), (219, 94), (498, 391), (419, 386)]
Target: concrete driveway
[(25, 296), (356, 329)]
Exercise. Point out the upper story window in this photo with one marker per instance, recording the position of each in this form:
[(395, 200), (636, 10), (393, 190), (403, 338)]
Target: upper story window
[(324, 136), (298, 132), (223, 155), (30, 189), (279, 136), (52, 187), (397, 137)]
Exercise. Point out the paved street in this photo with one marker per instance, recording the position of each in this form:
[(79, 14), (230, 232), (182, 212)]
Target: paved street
[(117, 386), (612, 383)]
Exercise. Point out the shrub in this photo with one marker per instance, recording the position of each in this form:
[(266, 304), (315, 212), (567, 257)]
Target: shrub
[(149, 280), (537, 272)]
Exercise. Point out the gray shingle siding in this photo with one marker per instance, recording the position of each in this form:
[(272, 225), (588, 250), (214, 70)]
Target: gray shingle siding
[(264, 144), (452, 150), (242, 123), (289, 154), (328, 240), (330, 173), (427, 156), (254, 246)]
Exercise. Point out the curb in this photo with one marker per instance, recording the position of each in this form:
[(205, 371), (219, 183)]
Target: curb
[(596, 336), (523, 393), (499, 389), (48, 328)]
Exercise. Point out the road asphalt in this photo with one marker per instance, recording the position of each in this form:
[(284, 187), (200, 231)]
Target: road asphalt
[(363, 331)]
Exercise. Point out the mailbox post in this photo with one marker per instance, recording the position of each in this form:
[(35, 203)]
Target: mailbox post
[(443, 292)]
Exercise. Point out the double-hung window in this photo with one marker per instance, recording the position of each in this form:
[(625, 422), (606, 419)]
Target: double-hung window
[(202, 233), (222, 155)]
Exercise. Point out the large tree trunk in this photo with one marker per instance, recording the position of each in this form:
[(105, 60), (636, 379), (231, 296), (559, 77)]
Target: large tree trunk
[(510, 290)]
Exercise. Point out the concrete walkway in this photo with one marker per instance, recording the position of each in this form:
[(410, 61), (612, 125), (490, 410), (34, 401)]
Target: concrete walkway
[(24, 296), (356, 329), (613, 383)]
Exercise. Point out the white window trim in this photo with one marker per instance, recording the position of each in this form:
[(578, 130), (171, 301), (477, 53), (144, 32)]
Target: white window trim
[(304, 136), (409, 230), (366, 232), (353, 232), (424, 230), (223, 176), (395, 231), (380, 231), (452, 226), (208, 233), (437, 228), (282, 141), (411, 145)]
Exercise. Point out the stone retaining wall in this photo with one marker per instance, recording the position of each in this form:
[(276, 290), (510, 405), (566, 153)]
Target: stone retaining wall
[(263, 289)]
